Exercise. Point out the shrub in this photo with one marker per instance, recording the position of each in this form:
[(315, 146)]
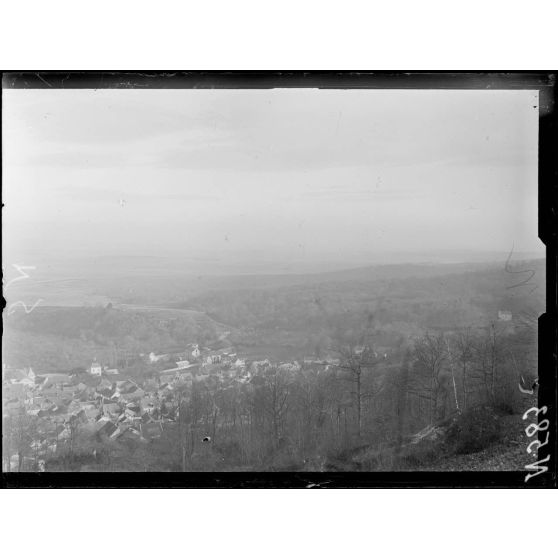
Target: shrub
[(230, 451), (474, 430), (505, 408), (420, 455)]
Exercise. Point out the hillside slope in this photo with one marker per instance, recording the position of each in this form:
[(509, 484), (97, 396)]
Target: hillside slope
[(507, 454)]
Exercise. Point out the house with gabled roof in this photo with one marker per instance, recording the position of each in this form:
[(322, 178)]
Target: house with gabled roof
[(92, 412), (132, 409), (127, 433), (54, 379), (110, 407), (104, 427), (133, 396)]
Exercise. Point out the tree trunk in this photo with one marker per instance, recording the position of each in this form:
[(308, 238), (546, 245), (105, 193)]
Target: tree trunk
[(182, 435), (434, 400), (338, 423), (359, 412), (493, 367), (464, 381), (401, 411), (214, 425), (192, 440), (275, 430)]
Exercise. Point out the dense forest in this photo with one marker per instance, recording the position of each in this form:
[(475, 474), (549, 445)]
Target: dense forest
[(59, 338), (306, 317), (296, 320)]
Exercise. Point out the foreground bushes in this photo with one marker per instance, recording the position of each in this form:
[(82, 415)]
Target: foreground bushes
[(473, 431)]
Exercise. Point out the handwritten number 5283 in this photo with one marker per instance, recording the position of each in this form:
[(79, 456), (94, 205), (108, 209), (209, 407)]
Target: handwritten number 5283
[(531, 430)]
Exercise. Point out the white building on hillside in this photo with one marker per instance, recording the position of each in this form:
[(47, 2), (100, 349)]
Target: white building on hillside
[(96, 369), (504, 316), (156, 358)]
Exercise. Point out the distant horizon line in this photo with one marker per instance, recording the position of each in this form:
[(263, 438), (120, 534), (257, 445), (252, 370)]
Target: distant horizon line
[(278, 272)]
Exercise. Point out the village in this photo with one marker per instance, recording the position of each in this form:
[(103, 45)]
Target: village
[(53, 417), (104, 405)]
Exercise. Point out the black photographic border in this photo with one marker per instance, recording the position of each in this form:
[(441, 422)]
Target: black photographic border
[(543, 81)]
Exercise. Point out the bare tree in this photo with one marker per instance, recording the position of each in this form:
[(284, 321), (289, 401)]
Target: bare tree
[(402, 389), (487, 351), (276, 391), (20, 430), (355, 360), (430, 355), (181, 411), (465, 356), (268, 401)]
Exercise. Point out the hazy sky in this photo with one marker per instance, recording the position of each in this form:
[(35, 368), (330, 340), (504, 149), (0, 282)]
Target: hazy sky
[(288, 174)]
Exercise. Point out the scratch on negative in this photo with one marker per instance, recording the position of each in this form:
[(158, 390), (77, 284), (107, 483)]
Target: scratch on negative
[(43, 80)]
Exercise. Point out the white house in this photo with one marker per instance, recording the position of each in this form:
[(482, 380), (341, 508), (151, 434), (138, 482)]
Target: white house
[(196, 352), (504, 316), (156, 358), (96, 369)]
